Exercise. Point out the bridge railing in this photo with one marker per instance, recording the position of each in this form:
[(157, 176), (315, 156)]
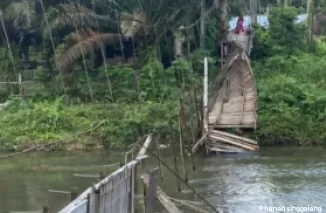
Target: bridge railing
[(113, 194)]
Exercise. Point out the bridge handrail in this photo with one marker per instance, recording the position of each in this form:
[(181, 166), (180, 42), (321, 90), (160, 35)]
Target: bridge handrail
[(83, 198)]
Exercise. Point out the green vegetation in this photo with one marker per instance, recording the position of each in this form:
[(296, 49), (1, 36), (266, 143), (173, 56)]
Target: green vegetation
[(154, 109), (75, 91), (290, 74)]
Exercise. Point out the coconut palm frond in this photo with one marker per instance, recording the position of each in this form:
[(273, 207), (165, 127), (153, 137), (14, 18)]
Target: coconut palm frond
[(131, 24), (21, 13), (4, 3), (74, 15), (82, 42)]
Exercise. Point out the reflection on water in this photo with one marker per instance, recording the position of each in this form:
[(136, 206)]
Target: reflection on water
[(235, 184), (24, 183)]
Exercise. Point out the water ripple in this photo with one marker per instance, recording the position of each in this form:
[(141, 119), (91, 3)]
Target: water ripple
[(242, 184)]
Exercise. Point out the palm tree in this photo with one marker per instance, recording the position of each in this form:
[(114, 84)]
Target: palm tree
[(82, 42), (147, 20), (20, 26)]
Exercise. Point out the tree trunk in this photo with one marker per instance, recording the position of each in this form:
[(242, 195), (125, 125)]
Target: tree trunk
[(178, 43), (224, 19), (310, 9), (202, 25), (216, 4), (286, 3), (253, 11)]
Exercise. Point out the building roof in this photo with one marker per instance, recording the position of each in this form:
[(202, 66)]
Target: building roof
[(262, 20)]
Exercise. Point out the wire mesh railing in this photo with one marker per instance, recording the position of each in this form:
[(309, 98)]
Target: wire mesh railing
[(113, 194)]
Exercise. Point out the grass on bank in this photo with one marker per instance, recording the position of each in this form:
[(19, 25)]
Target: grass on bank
[(28, 123)]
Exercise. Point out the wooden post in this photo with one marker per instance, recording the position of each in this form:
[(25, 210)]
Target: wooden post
[(176, 164), (151, 191), (140, 167), (73, 194), (205, 98), (136, 185), (144, 196), (20, 84), (162, 197), (198, 117), (191, 129), (193, 136), (222, 54), (88, 202), (46, 209), (102, 175), (183, 161), (159, 159), (133, 191)]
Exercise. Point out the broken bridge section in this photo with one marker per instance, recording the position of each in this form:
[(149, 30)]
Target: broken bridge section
[(232, 103)]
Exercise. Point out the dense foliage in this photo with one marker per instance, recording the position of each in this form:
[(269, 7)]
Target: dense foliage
[(74, 90), (290, 77)]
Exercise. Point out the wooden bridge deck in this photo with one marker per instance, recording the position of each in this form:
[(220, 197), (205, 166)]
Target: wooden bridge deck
[(233, 104), (233, 99)]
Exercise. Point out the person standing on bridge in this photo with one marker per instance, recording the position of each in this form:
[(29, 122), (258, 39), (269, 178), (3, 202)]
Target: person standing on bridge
[(239, 28)]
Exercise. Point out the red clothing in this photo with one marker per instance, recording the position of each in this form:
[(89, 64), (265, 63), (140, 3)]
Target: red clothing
[(239, 28)]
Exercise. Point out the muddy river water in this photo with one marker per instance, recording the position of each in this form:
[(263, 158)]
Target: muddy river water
[(273, 180)]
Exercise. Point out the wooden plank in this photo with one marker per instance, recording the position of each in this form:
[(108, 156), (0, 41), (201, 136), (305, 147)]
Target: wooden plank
[(247, 147), (144, 148), (237, 121), (199, 143), (249, 110), (238, 113), (238, 141), (226, 147), (249, 107), (233, 123), (218, 117), (162, 197), (234, 136), (243, 95), (219, 149), (236, 118), (238, 144)]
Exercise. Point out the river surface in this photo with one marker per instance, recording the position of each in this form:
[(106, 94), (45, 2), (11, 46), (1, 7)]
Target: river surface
[(251, 183)]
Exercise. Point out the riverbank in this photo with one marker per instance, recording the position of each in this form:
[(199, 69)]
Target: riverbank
[(291, 111), (113, 126)]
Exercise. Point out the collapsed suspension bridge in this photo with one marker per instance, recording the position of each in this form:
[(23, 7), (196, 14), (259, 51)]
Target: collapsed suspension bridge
[(231, 104)]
